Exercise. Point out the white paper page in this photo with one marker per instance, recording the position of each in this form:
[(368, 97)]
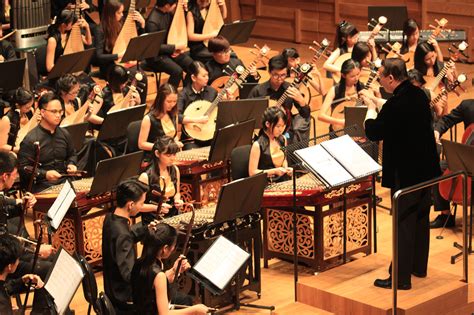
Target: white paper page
[(221, 261), (61, 205), (347, 152), (64, 280), (320, 161)]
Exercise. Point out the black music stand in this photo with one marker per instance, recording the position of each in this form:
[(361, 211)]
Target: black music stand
[(114, 125), (355, 116), (78, 134), (109, 173), (71, 63), (246, 88), (238, 32), (144, 46), (228, 138), (460, 157), (11, 74), (231, 112)]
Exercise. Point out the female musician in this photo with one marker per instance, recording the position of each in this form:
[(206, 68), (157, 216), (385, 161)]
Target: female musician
[(151, 282), (266, 154), (164, 155), (17, 117), (58, 35), (428, 58), (67, 88), (411, 35), (197, 14), (346, 89), (347, 36), (364, 54)]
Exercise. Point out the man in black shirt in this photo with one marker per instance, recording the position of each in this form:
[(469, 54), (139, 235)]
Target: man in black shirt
[(57, 155), (298, 130), (409, 158), (118, 244), (171, 59)]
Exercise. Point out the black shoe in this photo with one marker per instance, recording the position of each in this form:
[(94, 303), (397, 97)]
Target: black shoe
[(387, 284), (441, 220), (419, 274)]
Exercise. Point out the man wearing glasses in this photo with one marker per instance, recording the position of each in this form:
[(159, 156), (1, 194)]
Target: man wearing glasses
[(275, 88), (57, 154)]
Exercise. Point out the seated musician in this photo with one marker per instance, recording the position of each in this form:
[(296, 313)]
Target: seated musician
[(118, 244), (364, 54), (347, 36), (18, 116), (10, 252), (163, 169), (7, 51), (171, 59), (57, 156), (464, 112), (222, 58), (274, 88), (58, 35), (151, 283), (195, 18), (67, 88), (411, 35), (266, 154), (345, 90)]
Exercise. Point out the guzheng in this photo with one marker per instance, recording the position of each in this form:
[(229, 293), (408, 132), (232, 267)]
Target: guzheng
[(195, 161)]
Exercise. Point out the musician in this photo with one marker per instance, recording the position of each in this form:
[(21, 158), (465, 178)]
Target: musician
[(274, 88), (464, 112), (58, 35), (266, 154), (57, 156), (347, 36), (164, 156), (171, 59), (222, 58), (67, 88), (7, 51), (409, 158), (428, 58), (10, 252), (118, 244), (346, 89), (18, 116), (151, 282), (364, 54), (411, 35), (195, 18)]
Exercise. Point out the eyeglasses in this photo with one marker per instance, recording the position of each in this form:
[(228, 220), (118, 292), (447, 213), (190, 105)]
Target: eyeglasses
[(55, 111), (277, 76)]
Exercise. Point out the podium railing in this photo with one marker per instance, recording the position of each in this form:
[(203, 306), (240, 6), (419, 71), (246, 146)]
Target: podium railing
[(395, 209)]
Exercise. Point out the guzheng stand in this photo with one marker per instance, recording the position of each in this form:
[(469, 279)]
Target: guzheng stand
[(460, 157)]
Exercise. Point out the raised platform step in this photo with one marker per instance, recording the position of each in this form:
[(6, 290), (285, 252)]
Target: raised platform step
[(349, 289), (300, 309)]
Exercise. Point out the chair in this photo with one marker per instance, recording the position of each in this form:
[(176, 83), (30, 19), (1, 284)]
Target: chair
[(106, 306), (133, 131), (89, 286), (239, 161)]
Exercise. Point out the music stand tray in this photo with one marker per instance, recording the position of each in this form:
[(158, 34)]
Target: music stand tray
[(355, 116), (144, 46), (238, 32), (78, 134), (230, 137), (231, 112), (115, 124), (110, 172), (71, 63), (12, 73)]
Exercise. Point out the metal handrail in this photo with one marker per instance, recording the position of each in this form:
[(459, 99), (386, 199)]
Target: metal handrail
[(404, 191)]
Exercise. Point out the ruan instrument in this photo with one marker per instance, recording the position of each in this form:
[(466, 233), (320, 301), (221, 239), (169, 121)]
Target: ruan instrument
[(177, 34), (79, 115), (122, 102), (452, 87), (128, 31), (213, 21), (74, 42)]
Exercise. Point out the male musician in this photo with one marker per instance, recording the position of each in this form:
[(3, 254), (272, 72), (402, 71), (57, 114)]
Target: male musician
[(275, 87), (57, 156), (222, 57), (409, 158), (463, 112), (7, 52), (118, 244), (171, 59)]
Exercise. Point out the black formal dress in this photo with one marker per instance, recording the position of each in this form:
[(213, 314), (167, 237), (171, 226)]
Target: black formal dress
[(409, 157), (271, 159)]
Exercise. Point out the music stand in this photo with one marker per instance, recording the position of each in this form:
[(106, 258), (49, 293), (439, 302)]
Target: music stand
[(110, 172), (237, 32), (12, 74), (396, 15), (230, 137), (231, 112), (355, 116), (78, 134), (110, 128), (71, 63), (144, 46), (246, 88)]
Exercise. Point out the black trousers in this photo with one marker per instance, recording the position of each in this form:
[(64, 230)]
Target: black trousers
[(440, 203), (172, 66)]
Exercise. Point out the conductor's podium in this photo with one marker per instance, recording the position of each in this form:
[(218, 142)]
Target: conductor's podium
[(81, 228), (319, 221)]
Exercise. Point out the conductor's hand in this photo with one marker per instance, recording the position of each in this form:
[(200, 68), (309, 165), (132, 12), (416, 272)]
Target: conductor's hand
[(71, 168), (46, 250), (52, 176), (35, 279)]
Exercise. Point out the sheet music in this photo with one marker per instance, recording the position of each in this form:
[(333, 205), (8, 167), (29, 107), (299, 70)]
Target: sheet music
[(323, 164), (63, 280), (61, 205), (221, 261), (354, 159)]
